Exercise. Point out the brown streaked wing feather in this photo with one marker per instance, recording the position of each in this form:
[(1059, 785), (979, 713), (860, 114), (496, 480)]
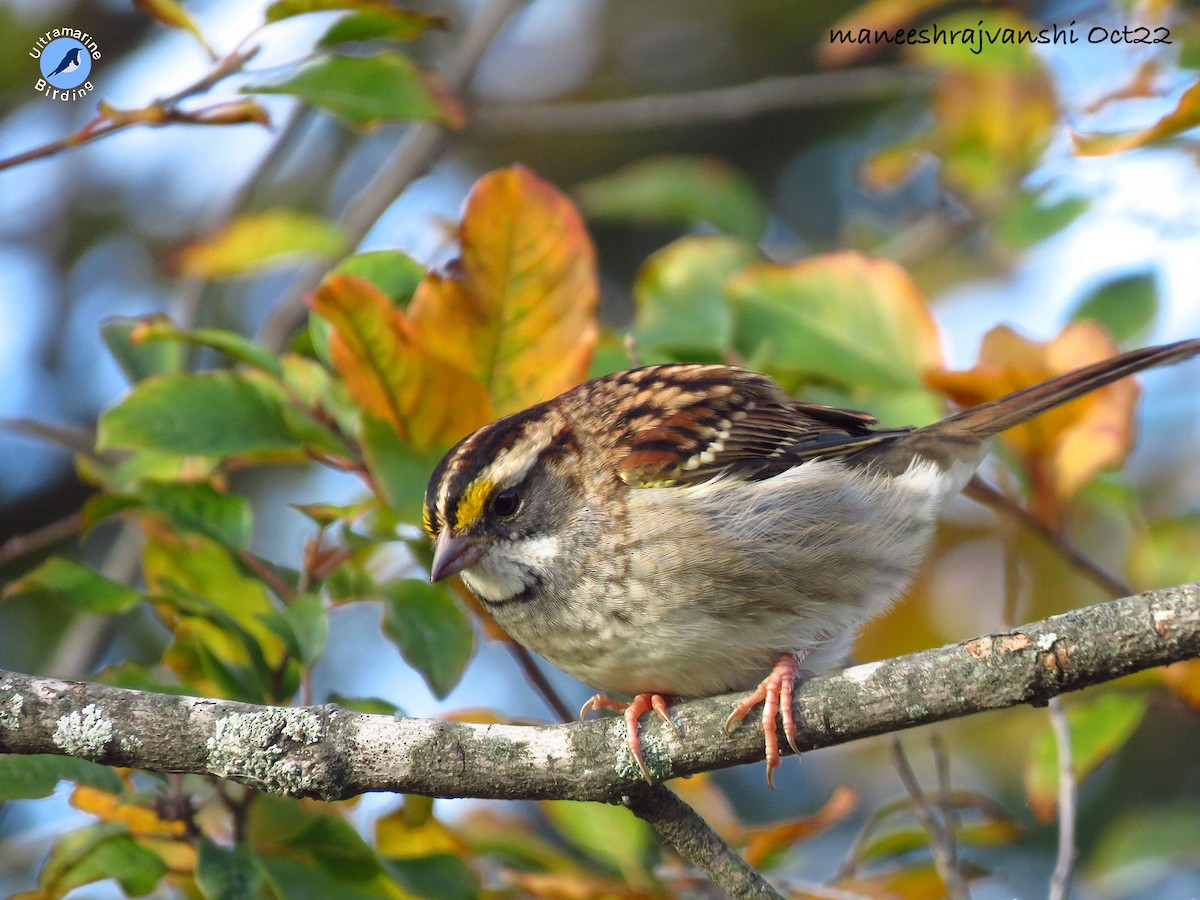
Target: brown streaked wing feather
[(687, 424)]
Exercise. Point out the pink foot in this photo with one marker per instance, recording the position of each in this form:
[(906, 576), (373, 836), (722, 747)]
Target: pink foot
[(775, 694), (633, 711)]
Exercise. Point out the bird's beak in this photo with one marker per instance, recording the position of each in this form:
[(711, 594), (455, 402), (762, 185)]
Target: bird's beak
[(452, 554)]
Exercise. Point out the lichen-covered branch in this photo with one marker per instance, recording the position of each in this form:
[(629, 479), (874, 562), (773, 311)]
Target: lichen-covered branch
[(325, 751)]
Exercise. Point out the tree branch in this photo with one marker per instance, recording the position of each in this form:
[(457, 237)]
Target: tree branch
[(327, 752)]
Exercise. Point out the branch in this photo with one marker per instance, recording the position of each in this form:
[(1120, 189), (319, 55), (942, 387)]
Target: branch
[(727, 104), (327, 752)]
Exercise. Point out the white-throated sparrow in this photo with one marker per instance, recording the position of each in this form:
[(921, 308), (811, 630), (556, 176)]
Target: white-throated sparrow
[(682, 530)]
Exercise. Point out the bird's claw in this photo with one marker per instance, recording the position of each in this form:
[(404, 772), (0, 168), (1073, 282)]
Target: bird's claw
[(632, 711), (775, 694)]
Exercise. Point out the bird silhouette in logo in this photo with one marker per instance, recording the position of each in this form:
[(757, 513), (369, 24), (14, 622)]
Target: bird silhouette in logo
[(69, 63)]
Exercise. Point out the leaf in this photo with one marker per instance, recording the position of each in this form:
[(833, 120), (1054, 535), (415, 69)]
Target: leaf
[(368, 90), (257, 241), (1184, 117), (336, 847), (682, 312), (413, 832), (286, 9), (137, 361), (210, 414), (431, 631), (195, 506), (96, 853), (369, 705), (439, 876), (128, 809), (230, 343), (380, 21), (398, 469), (35, 776), (1027, 219), (1141, 847), (304, 626), (1099, 725), (75, 585), (232, 874), (677, 189), (609, 834), (898, 842), (764, 844), (1125, 306), (170, 13), (1066, 447), (843, 317), (519, 310), (396, 274), (390, 372)]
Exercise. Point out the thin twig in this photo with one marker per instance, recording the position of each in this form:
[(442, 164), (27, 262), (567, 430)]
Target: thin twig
[(939, 844), (982, 492), (102, 125), (682, 829), (1064, 864), (416, 153), (40, 538), (727, 104), (537, 679), (941, 764)]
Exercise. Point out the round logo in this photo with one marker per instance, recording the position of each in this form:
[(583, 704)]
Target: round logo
[(65, 63)]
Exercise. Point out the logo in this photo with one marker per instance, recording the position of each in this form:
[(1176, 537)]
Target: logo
[(65, 57)]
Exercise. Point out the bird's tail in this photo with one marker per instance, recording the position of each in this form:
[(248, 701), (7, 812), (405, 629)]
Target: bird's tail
[(991, 418)]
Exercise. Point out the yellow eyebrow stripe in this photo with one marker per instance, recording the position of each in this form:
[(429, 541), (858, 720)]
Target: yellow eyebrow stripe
[(473, 501)]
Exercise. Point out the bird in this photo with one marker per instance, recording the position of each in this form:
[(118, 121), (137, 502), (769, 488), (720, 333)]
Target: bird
[(69, 63), (685, 530)]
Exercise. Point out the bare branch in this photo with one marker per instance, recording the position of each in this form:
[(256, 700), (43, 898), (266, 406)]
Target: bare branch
[(1064, 865), (939, 842), (727, 104), (328, 752)]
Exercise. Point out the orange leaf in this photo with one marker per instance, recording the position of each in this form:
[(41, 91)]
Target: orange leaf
[(1183, 679), (389, 371), (1065, 447), (519, 310), (764, 843), (1184, 117)]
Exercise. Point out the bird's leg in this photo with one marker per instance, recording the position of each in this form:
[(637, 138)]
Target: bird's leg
[(633, 711), (775, 694)]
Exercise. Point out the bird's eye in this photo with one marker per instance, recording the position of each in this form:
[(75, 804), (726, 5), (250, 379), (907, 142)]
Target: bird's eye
[(506, 503)]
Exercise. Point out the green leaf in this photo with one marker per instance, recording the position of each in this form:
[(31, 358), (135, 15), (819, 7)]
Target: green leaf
[(99, 852), (378, 21), (843, 317), (351, 581), (210, 414), (288, 878), (396, 274), (369, 705), (230, 343), (431, 631), (992, 833), (608, 834), (397, 467), (337, 847), (139, 361), (677, 189), (189, 506), (1126, 306), (365, 91), (1141, 847), (440, 876), (35, 776), (75, 585), (1167, 553), (228, 874), (1026, 220), (258, 241), (286, 9), (1100, 725), (304, 626), (680, 294)]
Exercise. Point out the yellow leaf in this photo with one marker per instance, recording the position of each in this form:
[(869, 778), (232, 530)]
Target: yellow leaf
[(518, 311), (398, 837), (390, 372), (1185, 116), (258, 241), (141, 820), (1183, 680), (1064, 448), (566, 886), (171, 13)]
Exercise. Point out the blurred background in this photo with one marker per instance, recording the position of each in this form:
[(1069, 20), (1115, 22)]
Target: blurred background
[(961, 169)]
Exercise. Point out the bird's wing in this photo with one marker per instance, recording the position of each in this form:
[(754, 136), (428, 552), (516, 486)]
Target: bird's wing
[(699, 422)]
